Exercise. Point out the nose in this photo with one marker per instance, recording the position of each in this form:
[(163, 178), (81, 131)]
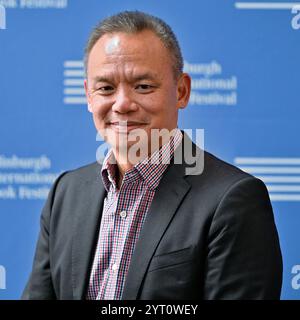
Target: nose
[(123, 102)]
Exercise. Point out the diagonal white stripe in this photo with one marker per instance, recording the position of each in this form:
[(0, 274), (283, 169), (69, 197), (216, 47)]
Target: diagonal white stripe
[(254, 170), (266, 5), (73, 73), (75, 100), (75, 91), (279, 179), (283, 188), (73, 64), (74, 82), (269, 160), (285, 197)]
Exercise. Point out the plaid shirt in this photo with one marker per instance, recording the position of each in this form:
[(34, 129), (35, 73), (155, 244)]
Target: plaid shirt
[(124, 212)]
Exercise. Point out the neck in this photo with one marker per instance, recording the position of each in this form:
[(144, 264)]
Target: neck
[(125, 161), (123, 166)]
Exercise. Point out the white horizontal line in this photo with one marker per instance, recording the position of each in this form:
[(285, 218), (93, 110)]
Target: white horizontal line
[(73, 64), (285, 197), (77, 91), (74, 82), (266, 5), (280, 179), (74, 73), (271, 169), (269, 160), (283, 188), (74, 100)]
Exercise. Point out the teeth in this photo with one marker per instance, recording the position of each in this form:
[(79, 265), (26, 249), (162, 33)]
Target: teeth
[(125, 124), (122, 124)]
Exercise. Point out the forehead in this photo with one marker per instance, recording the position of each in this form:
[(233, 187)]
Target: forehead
[(117, 49)]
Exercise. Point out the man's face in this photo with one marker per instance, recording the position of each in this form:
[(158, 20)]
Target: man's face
[(131, 85)]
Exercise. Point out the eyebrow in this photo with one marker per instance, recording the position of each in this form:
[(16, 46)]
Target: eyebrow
[(101, 79), (139, 77), (145, 76)]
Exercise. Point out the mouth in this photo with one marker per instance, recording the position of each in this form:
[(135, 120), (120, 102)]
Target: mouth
[(125, 126)]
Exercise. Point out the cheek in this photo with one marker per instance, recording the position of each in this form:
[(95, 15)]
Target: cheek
[(163, 106), (100, 112), (154, 104)]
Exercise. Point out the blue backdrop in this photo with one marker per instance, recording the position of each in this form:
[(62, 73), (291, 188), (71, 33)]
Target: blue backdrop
[(243, 58)]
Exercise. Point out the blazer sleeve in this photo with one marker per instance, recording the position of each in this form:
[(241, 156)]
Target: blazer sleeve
[(39, 285), (244, 259)]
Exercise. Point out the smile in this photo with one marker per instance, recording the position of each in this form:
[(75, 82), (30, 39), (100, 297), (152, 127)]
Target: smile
[(124, 126)]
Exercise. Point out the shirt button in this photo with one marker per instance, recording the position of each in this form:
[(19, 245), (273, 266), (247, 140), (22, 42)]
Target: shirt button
[(114, 267), (123, 214)]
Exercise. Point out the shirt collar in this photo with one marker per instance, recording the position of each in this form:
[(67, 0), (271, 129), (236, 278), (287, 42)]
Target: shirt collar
[(150, 169)]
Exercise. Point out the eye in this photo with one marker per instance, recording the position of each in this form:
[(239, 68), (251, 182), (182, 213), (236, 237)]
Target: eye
[(144, 88), (105, 90)]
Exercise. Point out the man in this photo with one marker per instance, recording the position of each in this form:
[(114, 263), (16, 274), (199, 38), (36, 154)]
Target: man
[(140, 227)]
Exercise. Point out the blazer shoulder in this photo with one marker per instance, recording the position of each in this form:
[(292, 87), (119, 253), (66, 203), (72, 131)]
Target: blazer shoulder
[(71, 179), (221, 169), (218, 177), (85, 173)]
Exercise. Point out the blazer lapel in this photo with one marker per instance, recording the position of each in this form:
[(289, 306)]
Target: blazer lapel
[(168, 197), (169, 194), (86, 225)]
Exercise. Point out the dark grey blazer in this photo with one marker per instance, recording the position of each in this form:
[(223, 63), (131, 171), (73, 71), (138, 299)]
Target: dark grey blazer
[(207, 236)]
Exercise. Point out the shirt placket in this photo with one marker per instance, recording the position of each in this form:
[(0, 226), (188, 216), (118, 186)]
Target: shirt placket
[(120, 225)]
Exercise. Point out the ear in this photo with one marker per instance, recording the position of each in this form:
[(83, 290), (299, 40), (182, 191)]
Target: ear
[(88, 98), (183, 90)]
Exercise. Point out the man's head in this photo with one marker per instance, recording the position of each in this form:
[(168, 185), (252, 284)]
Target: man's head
[(134, 75)]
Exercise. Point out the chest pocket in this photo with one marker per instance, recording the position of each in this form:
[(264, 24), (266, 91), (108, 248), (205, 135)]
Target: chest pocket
[(171, 258)]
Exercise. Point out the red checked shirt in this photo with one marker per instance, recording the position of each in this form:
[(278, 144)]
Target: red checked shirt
[(124, 212)]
